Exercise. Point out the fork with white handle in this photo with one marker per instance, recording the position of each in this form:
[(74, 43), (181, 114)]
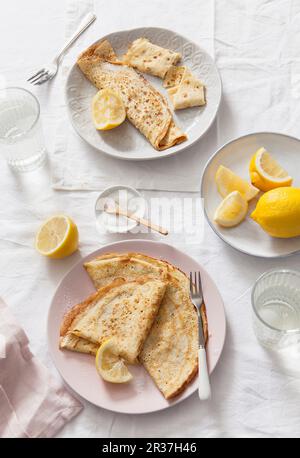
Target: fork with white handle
[(196, 291), (49, 71)]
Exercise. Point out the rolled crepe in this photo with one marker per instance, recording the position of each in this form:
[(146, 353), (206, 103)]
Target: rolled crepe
[(185, 90), (173, 76), (145, 107), (149, 58)]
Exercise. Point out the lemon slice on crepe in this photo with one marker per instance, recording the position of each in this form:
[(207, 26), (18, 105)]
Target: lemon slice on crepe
[(108, 110), (228, 181), (57, 237), (110, 365), (232, 210), (266, 173)]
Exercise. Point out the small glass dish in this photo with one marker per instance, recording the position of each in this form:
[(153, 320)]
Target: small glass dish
[(276, 308), (128, 199)]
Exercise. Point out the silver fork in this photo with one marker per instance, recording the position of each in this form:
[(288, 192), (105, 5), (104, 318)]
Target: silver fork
[(49, 71), (204, 390)]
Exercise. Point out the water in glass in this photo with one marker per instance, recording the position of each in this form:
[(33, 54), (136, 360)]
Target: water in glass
[(21, 136)]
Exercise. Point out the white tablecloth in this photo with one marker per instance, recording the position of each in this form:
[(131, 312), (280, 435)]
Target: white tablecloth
[(255, 392)]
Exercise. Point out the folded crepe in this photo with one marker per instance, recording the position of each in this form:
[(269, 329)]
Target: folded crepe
[(122, 309), (145, 107), (150, 58), (184, 89), (69, 341), (170, 352)]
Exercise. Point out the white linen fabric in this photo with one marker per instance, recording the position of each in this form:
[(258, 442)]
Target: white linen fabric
[(255, 392)]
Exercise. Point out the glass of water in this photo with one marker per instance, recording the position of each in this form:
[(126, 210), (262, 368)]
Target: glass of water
[(276, 308), (21, 136)]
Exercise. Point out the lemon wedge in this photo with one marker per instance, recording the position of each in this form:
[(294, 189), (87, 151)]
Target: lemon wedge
[(57, 237), (232, 210), (278, 212), (108, 110), (110, 365), (227, 182), (266, 173)]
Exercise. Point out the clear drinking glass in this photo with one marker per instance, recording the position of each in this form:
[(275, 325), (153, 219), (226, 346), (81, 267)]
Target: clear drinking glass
[(21, 136), (276, 308)]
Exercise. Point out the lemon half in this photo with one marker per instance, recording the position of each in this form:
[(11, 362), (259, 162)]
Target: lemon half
[(110, 365), (266, 173), (108, 110), (232, 210), (57, 237), (228, 181)]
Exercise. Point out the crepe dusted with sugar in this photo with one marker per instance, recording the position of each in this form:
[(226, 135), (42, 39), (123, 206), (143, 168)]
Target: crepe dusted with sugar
[(150, 58), (170, 352), (184, 89), (131, 266), (122, 309), (145, 107)]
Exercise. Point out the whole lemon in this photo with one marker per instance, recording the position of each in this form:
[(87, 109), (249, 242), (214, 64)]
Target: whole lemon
[(278, 212)]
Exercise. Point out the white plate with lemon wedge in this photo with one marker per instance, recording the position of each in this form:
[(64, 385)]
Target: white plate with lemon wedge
[(273, 231), (125, 142)]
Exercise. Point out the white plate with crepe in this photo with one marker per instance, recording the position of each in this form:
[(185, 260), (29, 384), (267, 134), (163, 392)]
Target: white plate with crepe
[(249, 237), (125, 141), (140, 395)]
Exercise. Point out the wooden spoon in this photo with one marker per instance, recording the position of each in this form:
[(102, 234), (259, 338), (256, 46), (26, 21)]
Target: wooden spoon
[(116, 210)]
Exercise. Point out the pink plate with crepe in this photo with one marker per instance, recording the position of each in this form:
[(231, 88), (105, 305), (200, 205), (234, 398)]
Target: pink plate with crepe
[(141, 394)]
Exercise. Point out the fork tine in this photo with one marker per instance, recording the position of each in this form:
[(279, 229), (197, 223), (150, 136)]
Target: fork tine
[(38, 78), (200, 282), (200, 285), (42, 79), (191, 284), (35, 75), (195, 283)]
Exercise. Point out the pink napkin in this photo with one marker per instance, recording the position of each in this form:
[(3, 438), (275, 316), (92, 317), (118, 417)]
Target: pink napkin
[(32, 402)]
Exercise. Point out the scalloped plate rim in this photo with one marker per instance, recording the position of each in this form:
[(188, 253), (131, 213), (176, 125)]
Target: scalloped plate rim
[(156, 154)]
